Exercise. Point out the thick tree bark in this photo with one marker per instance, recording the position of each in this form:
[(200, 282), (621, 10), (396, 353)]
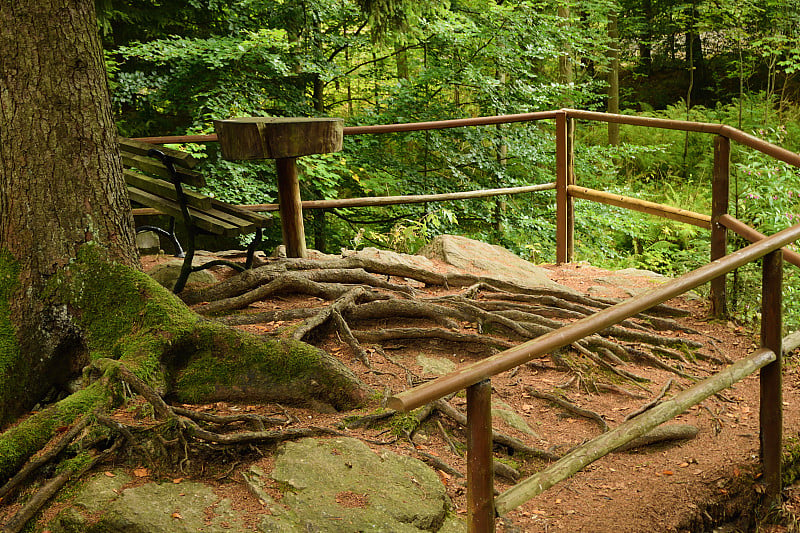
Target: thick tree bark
[(61, 183)]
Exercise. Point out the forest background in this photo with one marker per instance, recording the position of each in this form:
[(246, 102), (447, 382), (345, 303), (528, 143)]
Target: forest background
[(175, 66)]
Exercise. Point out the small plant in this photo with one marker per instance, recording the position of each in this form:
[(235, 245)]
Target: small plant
[(408, 236)]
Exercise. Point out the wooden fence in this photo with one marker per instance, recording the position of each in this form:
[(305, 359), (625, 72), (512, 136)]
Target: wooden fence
[(483, 507)]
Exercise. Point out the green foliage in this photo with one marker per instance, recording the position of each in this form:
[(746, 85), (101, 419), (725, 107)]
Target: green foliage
[(177, 68), (408, 236)]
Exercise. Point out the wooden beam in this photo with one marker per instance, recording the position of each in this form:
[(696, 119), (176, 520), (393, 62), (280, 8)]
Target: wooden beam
[(672, 213), (373, 201), (719, 207), (480, 474), (752, 235)]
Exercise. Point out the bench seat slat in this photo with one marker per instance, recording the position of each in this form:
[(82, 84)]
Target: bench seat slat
[(211, 220)]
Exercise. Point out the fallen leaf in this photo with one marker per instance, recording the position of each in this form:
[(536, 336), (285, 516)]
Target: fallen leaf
[(683, 465), (141, 472), (177, 480), (110, 474), (668, 472), (177, 515)]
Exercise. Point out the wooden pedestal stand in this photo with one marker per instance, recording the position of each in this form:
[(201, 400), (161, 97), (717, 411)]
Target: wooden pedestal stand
[(284, 140)]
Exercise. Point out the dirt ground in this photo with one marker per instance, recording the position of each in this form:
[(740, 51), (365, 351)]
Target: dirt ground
[(683, 486)]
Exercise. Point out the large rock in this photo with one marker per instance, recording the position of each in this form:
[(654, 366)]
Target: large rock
[(104, 505), (487, 260), (330, 485), (337, 485)]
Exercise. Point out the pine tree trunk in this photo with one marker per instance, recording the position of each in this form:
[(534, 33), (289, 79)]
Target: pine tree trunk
[(61, 184)]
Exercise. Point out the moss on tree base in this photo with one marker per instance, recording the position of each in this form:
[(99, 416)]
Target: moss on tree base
[(122, 314)]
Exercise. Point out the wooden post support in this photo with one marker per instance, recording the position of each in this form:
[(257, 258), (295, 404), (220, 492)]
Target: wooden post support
[(719, 233), (292, 227), (570, 182), (282, 139), (771, 405), (480, 474), (562, 194)]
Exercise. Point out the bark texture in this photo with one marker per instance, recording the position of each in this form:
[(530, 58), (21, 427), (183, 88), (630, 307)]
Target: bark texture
[(61, 184)]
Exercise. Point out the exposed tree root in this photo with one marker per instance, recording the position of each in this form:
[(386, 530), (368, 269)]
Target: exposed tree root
[(368, 308), (48, 453), (498, 437), (364, 308), (569, 406), (29, 510)]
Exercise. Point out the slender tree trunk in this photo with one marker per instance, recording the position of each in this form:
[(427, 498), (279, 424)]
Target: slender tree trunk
[(564, 61), (61, 185), (613, 78), (401, 58), (646, 37)]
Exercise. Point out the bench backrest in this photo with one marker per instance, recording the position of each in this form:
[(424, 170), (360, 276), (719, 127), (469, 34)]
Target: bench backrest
[(134, 154)]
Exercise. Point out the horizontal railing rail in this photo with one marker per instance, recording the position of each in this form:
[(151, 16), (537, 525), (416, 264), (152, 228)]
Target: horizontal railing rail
[(730, 132), (643, 206), (752, 235)]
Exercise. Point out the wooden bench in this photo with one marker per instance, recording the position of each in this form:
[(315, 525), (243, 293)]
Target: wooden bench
[(155, 177)]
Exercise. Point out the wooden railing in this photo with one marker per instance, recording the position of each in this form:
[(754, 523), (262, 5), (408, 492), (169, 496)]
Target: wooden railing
[(483, 507)]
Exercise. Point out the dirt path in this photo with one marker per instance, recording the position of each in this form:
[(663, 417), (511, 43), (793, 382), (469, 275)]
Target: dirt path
[(672, 487)]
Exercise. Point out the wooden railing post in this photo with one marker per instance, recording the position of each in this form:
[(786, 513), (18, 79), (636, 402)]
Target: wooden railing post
[(563, 203), (771, 406), (570, 181), (480, 475), (719, 233)]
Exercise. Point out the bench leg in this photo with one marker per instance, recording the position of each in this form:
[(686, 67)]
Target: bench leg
[(186, 268), (251, 249), (170, 234)]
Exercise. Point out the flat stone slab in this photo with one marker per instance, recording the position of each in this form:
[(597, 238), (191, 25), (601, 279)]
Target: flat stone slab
[(507, 413), (166, 274), (632, 281), (435, 365)]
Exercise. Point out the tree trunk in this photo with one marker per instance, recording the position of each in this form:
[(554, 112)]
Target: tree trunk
[(565, 74), (61, 184), (613, 78), (70, 282)]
